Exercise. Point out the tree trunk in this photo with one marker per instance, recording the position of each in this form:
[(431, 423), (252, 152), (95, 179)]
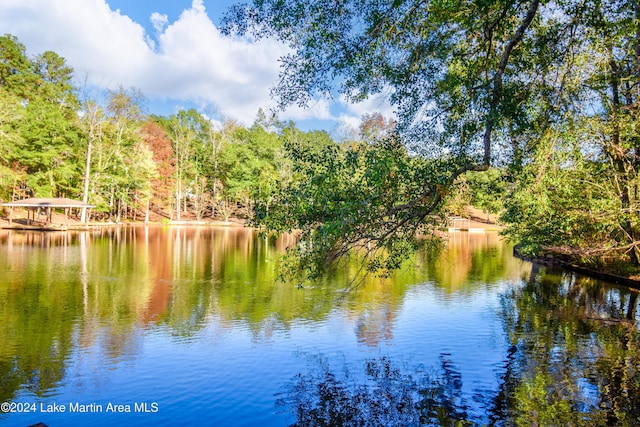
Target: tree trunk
[(87, 172), (111, 206), (631, 307), (178, 205), (617, 154)]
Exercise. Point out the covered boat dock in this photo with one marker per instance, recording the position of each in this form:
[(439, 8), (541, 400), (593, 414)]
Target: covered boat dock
[(40, 212)]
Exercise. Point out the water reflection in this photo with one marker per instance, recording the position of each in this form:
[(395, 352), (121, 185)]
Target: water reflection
[(97, 289), (574, 360), (575, 352), (384, 395), (471, 260), (92, 300)]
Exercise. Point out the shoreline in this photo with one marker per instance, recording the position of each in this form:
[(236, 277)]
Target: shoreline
[(60, 223), (550, 261), (473, 226), (75, 225)]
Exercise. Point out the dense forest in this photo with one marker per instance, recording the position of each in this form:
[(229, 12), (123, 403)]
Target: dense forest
[(56, 141)]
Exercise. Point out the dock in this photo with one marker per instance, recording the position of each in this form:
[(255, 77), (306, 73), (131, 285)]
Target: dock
[(40, 213)]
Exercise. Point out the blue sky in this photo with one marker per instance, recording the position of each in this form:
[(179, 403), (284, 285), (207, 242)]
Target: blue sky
[(172, 51), (141, 10)]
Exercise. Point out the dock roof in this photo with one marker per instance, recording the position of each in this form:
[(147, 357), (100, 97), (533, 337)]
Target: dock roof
[(54, 202)]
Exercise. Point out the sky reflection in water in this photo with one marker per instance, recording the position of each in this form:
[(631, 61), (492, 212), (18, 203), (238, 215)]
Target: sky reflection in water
[(196, 321)]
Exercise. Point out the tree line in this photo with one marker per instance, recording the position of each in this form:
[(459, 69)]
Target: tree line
[(57, 141)]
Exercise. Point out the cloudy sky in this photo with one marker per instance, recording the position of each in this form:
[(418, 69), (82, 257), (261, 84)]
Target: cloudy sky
[(172, 50)]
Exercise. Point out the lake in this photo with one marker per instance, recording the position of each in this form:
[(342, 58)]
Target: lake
[(175, 325)]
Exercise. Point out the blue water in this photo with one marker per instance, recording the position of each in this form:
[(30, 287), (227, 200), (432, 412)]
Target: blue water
[(229, 370), (225, 376)]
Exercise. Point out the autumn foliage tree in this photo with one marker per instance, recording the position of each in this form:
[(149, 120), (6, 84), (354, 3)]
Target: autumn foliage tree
[(160, 145)]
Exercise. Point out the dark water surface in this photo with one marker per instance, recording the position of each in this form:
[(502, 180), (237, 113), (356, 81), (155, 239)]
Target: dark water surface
[(193, 326)]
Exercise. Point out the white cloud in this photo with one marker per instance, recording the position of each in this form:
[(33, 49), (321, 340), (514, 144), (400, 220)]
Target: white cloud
[(349, 120), (189, 61), (320, 110), (87, 33), (159, 21), (196, 62), (374, 104)]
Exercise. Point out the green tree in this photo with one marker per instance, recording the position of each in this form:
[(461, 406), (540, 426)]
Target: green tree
[(54, 81), (16, 71), (613, 44), (451, 64), (253, 165), (487, 190), (342, 197), (480, 84), (456, 73), (49, 150), (92, 121), (133, 160), (215, 142), (186, 129), (577, 195), (11, 173), (50, 130), (122, 165), (40, 127), (565, 204)]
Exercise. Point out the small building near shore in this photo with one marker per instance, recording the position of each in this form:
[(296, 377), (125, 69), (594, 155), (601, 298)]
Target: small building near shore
[(40, 212)]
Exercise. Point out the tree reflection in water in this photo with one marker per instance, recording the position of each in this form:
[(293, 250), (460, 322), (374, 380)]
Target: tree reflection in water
[(574, 343), (384, 396), (574, 360)]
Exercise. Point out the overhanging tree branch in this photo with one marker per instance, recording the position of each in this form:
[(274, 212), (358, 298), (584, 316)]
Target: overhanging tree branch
[(497, 84)]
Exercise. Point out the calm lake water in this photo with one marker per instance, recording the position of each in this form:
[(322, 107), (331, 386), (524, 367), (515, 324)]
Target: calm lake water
[(172, 326)]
